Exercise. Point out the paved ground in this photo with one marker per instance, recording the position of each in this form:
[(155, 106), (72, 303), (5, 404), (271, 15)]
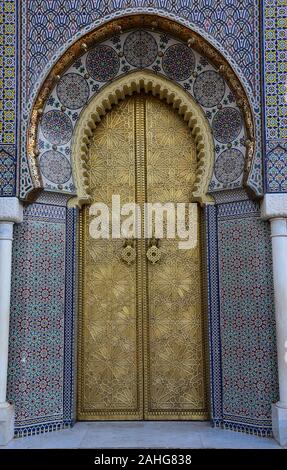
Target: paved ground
[(196, 435)]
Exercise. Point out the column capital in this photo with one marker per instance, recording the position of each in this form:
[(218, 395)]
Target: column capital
[(274, 206), (11, 210)]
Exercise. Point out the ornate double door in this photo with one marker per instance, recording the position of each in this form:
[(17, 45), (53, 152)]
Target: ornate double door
[(141, 333)]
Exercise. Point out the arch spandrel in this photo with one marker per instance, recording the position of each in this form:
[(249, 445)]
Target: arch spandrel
[(234, 149)]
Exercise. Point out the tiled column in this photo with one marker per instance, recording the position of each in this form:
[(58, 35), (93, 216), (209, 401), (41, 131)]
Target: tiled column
[(274, 208), (10, 212)]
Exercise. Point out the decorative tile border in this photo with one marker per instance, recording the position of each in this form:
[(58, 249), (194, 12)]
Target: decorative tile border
[(8, 96), (211, 243), (8, 71), (275, 41), (275, 87), (70, 363)]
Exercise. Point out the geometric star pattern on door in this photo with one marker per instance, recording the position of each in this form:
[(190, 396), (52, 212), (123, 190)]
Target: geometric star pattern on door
[(141, 325)]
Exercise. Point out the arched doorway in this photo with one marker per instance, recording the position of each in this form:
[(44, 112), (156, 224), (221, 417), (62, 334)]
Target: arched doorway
[(224, 157), (141, 324)]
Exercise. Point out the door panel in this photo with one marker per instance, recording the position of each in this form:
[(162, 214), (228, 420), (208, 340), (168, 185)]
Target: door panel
[(110, 331), (174, 356), (141, 325)]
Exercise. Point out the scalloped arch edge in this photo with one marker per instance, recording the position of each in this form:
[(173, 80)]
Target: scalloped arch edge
[(165, 90)]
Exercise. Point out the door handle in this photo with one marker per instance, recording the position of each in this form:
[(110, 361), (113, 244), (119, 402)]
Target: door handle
[(128, 251), (153, 253)]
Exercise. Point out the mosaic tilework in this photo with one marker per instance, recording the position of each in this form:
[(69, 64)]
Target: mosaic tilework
[(71, 301), (213, 303), (41, 328), (231, 23), (8, 91), (7, 170), (242, 322), (117, 56), (275, 58), (49, 27), (276, 68), (8, 34), (276, 166)]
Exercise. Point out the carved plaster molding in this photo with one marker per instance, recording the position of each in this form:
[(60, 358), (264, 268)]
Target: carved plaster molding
[(164, 89)]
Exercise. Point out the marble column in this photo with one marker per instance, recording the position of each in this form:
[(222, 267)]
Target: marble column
[(274, 209), (11, 211)]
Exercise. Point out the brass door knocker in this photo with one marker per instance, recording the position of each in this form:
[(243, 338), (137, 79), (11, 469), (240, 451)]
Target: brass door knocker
[(128, 252), (153, 253)]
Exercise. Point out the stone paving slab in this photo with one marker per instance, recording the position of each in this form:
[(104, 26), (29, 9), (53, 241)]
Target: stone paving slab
[(143, 434)]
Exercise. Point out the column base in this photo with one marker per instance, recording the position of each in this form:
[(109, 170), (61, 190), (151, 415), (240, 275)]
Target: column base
[(279, 424), (7, 416)]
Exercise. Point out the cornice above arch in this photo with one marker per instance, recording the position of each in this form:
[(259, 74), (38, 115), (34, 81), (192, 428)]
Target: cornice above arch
[(164, 89)]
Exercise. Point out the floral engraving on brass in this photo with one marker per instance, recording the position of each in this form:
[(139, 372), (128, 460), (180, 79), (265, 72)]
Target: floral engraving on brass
[(141, 334), (110, 324)]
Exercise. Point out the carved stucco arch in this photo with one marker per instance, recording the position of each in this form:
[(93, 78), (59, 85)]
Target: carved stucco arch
[(164, 89)]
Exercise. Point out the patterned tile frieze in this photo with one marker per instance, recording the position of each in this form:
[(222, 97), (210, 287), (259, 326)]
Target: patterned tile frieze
[(56, 199), (159, 53), (275, 64), (41, 363), (230, 196), (8, 92)]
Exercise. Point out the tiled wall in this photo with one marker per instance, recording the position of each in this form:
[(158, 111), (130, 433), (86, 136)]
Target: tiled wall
[(41, 330), (242, 319)]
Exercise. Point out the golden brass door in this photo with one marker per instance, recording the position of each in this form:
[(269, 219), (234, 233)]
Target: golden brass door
[(141, 334)]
